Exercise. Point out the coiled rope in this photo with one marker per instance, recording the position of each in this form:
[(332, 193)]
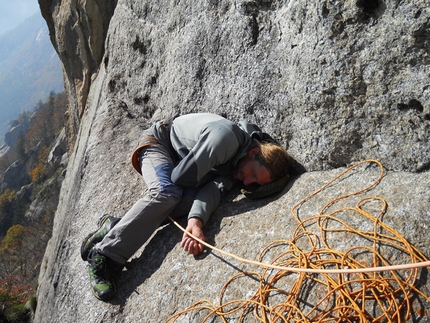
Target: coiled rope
[(360, 284)]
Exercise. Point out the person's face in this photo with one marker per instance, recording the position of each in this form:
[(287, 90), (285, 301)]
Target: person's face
[(251, 171)]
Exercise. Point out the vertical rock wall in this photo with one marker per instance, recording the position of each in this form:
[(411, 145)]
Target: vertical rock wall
[(78, 30)]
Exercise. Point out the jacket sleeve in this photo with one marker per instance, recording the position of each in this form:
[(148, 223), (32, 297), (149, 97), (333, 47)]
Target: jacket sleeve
[(209, 197), (215, 146)]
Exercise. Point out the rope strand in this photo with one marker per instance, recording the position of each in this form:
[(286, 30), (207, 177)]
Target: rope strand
[(359, 284)]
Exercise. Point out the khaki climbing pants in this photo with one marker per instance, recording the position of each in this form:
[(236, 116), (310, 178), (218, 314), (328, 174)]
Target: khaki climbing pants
[(161, 198)]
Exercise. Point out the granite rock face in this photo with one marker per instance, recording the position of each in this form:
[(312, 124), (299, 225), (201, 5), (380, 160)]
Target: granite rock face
[(336, 82), (333, 80)]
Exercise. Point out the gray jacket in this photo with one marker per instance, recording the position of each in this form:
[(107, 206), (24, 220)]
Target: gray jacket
[(206, 147)]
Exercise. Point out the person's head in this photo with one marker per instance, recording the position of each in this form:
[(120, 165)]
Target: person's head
[(264, 163)]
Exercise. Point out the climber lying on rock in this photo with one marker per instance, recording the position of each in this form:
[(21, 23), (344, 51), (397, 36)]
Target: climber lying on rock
[(187, 164)]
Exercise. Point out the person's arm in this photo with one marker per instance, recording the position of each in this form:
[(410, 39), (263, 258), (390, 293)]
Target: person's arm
[(209, 196), (205, 203), (216, 145), (190, 245)]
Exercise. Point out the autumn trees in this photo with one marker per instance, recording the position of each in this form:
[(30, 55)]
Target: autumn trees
[(23, 239)]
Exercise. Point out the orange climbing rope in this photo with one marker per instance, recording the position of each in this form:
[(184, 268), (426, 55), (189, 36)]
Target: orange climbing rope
[(360, 284)]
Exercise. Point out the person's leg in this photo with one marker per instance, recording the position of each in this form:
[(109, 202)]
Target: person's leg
[(106, 223), (131, 232), (146, 215)]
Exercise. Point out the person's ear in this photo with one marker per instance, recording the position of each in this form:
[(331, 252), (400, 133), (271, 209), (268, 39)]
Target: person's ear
[(253, 151)]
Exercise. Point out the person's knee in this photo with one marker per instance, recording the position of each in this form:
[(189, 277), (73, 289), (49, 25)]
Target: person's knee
[(165, 198)]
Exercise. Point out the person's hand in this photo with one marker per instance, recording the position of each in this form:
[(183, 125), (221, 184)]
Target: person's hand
[(189, 244)]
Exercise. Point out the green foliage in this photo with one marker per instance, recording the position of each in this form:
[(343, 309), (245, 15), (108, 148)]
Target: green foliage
[(6, 200), (17, 313), (13, 240), (32, 303)]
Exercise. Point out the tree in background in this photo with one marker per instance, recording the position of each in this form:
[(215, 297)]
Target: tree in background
[(20, 147), (15, 286), (6, 200), (41, 170), (47, 123), (12, 251), (23, 240)]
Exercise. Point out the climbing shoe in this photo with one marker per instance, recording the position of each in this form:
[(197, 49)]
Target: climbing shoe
[(100, 273), (106, 223)]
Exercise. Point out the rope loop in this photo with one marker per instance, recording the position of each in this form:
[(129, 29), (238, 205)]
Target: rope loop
[(360, 284)]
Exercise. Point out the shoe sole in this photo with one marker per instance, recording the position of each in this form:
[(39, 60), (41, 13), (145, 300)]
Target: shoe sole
[(105, 298)]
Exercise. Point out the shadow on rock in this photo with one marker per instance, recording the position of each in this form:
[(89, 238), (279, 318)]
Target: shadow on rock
[(168, 236), (139, 269)]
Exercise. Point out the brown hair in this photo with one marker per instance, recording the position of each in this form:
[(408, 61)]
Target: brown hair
[(275, 158)]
